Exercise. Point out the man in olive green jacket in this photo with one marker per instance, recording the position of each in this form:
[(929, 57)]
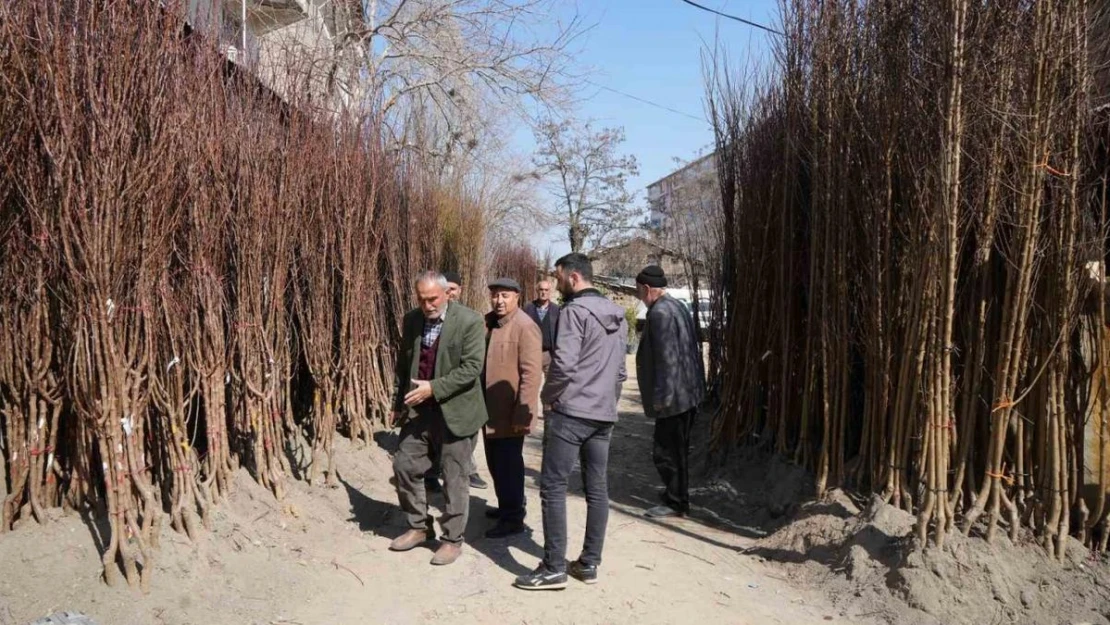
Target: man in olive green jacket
[(440, 404)]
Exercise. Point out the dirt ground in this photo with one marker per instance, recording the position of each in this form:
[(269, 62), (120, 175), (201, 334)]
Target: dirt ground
[(320, 556), (753, 551)]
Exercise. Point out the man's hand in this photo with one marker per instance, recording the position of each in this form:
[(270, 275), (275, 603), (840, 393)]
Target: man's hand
[(420, 394), (395, 418), (521, 430)]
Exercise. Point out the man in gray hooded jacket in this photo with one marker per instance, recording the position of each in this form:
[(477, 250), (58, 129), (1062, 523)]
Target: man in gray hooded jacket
[(583, 387)]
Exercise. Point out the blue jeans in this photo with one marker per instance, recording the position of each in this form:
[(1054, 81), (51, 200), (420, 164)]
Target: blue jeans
[(566, 438)]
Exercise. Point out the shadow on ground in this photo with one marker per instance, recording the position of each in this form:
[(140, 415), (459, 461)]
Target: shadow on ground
[(501, 551), (382, 518), (386, 519), (750, 497)]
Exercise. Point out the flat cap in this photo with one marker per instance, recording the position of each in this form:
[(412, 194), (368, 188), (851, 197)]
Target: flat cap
[(505, 283)]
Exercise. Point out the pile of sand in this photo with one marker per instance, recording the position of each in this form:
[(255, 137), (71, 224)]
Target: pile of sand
[(871, 565)]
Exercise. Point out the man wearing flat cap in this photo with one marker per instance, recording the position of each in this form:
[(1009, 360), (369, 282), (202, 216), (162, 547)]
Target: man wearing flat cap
[(511, 379), (671, 375)]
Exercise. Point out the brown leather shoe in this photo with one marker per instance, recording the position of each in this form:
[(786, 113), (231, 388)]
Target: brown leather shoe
[(409, 540), (446, 554)]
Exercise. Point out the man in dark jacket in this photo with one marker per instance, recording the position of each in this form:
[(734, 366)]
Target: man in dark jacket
[(546, 315), (440, 403), (582, 388), (671, 376)]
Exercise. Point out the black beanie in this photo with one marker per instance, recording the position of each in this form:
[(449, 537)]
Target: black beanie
[(652, 275), (453, 276)]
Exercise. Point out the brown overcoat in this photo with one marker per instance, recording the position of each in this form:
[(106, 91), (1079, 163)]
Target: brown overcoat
[(514, 361)]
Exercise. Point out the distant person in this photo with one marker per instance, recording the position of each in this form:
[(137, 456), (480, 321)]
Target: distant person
[(454, 285), (671, 376), (546, 315), (583, 386), (440, 407), (512, 382), (431, 480)]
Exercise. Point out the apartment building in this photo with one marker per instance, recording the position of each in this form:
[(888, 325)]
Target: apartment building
[(290, 46), (688, 192)]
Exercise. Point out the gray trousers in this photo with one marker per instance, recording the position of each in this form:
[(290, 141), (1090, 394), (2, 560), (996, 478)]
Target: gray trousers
[(566, 439), (422, 439)]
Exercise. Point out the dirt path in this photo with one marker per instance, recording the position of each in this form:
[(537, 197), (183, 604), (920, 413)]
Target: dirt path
[(321, 557)]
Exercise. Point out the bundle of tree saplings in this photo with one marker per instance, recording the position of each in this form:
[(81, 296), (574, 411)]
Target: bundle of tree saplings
[(912, 298), (519, 262), (198, 276)]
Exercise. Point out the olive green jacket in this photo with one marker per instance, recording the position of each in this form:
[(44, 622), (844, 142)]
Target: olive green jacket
[(459, 361)]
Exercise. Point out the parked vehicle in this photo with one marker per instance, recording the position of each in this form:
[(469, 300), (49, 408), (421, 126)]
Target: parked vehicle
[(704, 313)]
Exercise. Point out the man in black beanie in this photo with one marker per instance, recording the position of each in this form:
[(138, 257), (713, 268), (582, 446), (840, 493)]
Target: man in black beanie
[(454, 285), (671, 376), (432, 477)]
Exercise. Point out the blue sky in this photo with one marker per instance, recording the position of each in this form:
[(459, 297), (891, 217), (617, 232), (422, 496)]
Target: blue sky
[(652, 49)]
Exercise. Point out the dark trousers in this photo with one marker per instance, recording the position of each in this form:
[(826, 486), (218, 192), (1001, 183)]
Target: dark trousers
[(505, 459), (565, 439), (422, 439), (671, 453)]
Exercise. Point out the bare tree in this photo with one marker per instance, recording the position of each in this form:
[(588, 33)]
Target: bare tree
[(449, 81), (588, 177), (459, 64)]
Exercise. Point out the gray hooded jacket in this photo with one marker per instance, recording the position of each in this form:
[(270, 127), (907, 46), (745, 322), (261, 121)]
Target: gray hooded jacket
[(587, 362)]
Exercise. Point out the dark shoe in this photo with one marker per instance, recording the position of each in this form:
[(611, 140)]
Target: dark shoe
[(660, 512), (542, 579), (476, 481), (410, 540), (493, 513), (585, 573), (432, 485), (447, 553), (506, 528)]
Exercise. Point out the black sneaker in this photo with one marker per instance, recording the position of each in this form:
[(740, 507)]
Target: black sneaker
[(506, 528), (476, 481), (542, 579), (585, 573)]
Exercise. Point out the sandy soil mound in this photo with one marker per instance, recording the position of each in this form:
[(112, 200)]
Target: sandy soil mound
[(870, 564)]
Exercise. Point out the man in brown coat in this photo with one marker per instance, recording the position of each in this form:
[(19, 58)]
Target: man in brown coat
[(514, 362)]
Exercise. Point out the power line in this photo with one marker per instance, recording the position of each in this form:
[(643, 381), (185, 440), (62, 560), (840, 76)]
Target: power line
[(733, 17), (648, 102)]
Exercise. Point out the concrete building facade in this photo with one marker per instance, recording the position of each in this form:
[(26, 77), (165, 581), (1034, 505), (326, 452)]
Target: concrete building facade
[(691, 190), (291, 46)]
